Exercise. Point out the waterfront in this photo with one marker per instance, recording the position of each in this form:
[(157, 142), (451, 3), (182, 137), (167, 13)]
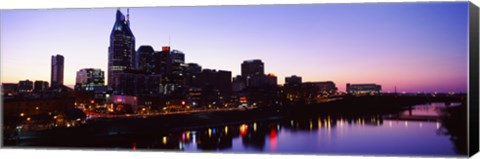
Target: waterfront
[(320, 134)]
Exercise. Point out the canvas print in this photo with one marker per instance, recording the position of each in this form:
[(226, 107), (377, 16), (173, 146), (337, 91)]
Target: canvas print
[(341, 79)]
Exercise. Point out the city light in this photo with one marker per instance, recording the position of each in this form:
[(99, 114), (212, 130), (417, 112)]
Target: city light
[(22, 114), (164, 140), (243, 129)]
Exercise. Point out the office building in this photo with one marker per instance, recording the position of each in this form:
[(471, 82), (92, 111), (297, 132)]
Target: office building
[(252, 67), (121, 52), (293, 80), (327, 87), (40, 86), (56, 78), (363, 88), (9, 89), (25, 86), (88, 78), (145, 60)]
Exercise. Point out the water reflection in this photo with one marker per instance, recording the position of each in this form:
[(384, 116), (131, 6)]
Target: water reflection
[(322, 134), (331, 134)]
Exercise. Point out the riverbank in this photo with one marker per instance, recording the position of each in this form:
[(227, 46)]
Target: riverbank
[(108, 130)]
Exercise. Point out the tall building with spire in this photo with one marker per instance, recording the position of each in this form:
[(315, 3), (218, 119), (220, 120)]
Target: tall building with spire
[(121, 52)]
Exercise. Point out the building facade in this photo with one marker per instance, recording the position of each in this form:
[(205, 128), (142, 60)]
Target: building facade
[(40, 86), (25, 86), (293, 80), (363, 88), (56, 78), (252, 67), (145, 60), (121, 52), (88, 78)]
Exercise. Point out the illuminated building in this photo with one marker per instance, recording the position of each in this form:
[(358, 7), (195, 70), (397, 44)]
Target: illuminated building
[(171, 65), (88, 78), (25, 86), (121, 52), (36, 106), (56, 78), (132, 84), (363, 88), (40, 86), (327, 87), (195, 96)]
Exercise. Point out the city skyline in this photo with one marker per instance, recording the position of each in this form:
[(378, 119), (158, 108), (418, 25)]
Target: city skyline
[(430, 59)]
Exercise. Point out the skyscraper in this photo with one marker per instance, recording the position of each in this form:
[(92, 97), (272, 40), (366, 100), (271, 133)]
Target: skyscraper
[(56, 78), (145, 59), (121, 52)]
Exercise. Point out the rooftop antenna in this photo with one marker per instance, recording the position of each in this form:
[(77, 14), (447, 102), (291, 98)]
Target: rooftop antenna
[(169, 40), (128, 16)]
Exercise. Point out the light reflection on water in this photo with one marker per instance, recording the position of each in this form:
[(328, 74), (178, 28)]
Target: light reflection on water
[(361, 135), (374, 135)]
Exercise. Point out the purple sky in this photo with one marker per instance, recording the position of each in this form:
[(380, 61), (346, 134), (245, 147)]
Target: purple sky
[(414, 46)]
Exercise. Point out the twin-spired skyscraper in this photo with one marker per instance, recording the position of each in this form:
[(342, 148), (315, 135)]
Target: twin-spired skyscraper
[(121, 52)]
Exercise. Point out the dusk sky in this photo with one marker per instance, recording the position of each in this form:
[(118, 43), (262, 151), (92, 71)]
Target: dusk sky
[(413, 46)]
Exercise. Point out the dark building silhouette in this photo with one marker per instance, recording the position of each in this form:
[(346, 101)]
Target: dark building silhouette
[(178, 58), (134, 84), (363, 88), (293, 80), (25, 86), (171, 65), (56, 78), (238, 84), (40, 86), (9, 89), (252, 67), (327, 87), (145, 59), (191, 74), (216, 86), (121, 52)]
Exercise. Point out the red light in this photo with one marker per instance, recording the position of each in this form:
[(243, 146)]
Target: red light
[(273, 138), (273, 134), (243, 130), (166, 48), (183, 137), (134, 147), (92, 101)]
